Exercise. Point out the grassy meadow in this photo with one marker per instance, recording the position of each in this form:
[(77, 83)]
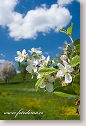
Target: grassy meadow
[(17, 95)]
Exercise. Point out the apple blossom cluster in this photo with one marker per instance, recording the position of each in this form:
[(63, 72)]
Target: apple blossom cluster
[(37, 63)]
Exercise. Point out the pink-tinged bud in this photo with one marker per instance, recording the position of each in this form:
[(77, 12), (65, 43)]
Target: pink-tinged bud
[(63, 58)]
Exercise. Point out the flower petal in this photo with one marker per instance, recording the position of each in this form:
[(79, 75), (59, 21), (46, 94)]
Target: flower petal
[(65, 63), (43, 57), (68, 78), (21, 59), (38, 75), (34, 69), (39, 52), (35, 62), (59, 74), (50, 78), (48, 58), (42, 85), (16, 59), (29, 61), (23, 52), (18, 53), (29, 68), (61, 67), (69, 68), (49, 87)]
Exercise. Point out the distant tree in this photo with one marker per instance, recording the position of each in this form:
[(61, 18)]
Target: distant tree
[(23, 71), (7, 70)]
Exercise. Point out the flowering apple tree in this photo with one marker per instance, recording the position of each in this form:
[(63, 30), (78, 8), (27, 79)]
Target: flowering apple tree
[(47, 70)]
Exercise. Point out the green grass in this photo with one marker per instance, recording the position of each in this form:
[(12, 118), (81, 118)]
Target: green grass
[(18, 95)]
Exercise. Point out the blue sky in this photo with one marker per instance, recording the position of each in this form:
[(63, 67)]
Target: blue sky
[(35, 23)]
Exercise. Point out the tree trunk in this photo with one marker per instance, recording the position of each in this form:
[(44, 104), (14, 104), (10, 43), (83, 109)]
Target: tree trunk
[(5, 81)]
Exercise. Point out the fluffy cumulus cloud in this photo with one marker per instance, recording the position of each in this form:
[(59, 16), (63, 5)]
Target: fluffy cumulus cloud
[(65, 2), (6, 11), (41, 19)]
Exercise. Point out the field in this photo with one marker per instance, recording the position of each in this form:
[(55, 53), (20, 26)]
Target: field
[(21, 96)]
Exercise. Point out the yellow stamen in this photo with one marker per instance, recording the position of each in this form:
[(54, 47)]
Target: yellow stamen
[(64, 71)]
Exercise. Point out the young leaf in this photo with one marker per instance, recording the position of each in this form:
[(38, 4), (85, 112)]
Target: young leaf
[(55, 61), (49, 63), (61, 94), (19, 63), (75, 61), (76, 88), (66, 89), (63, 30), (77, 79), (69, 30), (78, 49), (76, 84), (76, 42), (46, 71), (39, 82)]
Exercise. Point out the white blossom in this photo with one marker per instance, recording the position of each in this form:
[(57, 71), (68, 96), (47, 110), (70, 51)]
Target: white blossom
[(35, 50), (32, 67), (48, 83), (65, 71), (44, 60), (21, 56)]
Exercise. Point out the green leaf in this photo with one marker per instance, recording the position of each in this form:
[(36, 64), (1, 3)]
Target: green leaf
[(35, 56), (25, 59), (76, 84), (19, 63), (78, 49), (76, 88), (61, 94), (49, 63), (69, 30), (63, 30), (39, 82), (46, 71), (77, 46), (66, 89), (56, 61), (76, 42), (39, 56), (75, 61), (77, 79)]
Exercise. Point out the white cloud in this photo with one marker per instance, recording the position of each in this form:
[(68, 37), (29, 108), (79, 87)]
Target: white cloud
[(2, 55), (78, 0), (46, 53), (64, 2), (42, 19), (2, 61), (6, 11), (59, 47)]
